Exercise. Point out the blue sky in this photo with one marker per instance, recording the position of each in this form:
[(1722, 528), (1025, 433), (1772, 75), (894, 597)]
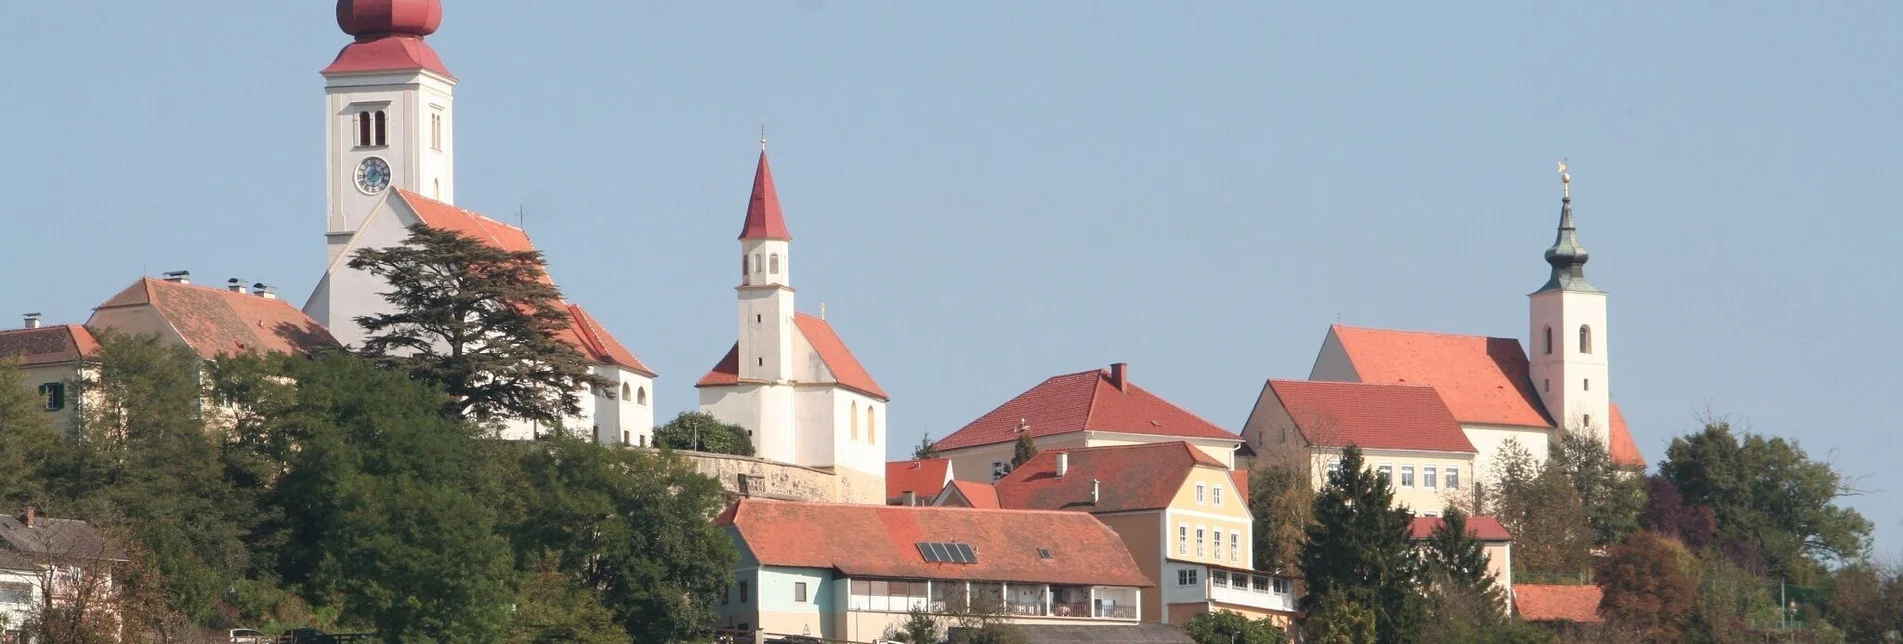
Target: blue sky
[(986, 194)]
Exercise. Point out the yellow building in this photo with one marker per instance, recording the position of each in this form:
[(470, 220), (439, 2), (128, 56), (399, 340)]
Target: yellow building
[(1405, 433)]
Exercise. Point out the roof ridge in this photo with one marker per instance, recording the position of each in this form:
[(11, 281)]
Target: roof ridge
[(916, 508), (1414, 332), (406, 194), (1299, 381)]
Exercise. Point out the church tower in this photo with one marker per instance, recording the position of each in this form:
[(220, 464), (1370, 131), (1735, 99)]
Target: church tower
[(388, 113), (1568, 341), (767, 329)]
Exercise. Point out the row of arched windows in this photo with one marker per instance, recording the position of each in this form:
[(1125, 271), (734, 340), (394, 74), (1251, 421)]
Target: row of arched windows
[(773, 264), (1585, 339), (372, 130), (872, 423), (637, 394)]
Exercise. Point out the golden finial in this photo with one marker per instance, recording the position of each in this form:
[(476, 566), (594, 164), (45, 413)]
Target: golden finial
[(1565, 180), (762, 136)]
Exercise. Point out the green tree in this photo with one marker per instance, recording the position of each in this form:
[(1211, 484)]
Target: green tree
[(1229, 627), (1024, 451), (1342, 620), (1552, 537), (1731, 601), (1281, 505), (483, 323), (1612, 497), (27, 439), (1460, 559), (552, 607), (1768, 496), (1361, 549), (1867, 602), (701, 432), (925, 448), (1649, 583), (919, 627)]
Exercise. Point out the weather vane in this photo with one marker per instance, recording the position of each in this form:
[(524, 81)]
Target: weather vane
[(762, 136), (1565, 181)]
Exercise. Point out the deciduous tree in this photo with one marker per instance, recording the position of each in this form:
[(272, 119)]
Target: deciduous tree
[(1230, 627), (701, 432), (1767, 495), (1612, 497), (1649, 583), (1538, 504)]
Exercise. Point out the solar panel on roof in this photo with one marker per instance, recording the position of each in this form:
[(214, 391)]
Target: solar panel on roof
[(964, 551), (925, 550), (944, 554)]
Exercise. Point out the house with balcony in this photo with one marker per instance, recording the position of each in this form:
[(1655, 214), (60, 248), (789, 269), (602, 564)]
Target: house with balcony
[(852, 571), (1183, 514)]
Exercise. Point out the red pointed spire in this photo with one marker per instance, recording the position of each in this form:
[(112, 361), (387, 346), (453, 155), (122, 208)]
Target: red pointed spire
[(764, 220)]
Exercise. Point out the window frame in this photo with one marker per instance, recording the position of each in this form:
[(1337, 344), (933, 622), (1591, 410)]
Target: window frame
[(1199, 493), (1407, 475), (1215, 495), (799, 592), (1182, 539), (1235, 546), (1452, 472), (1430, 475)]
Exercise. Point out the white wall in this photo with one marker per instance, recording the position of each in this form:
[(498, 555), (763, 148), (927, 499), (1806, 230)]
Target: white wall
[(1487, 440), (1574, 385), (408, 99), (12, 615)]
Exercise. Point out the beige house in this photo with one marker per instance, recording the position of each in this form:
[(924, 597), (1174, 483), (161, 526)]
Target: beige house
[(1495, 541), (1405, 433), (51, 358)]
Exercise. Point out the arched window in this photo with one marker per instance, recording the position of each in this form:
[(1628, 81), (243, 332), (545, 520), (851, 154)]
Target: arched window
[(872, 426), (743, 267), (641, 396), (382, 130), (1549, 339), (627, 393), (854, 413), (1585, 339), (363, 129), (773, 264), (436, 189), (756, 262)]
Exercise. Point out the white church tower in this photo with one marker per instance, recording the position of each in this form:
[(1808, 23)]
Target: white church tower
[(766, 328), (388, 113), (1568, 341)]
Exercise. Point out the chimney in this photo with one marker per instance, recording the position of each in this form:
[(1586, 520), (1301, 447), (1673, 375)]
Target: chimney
[(1063, 464), (908, 498), (32, 516), (264, 290), (32, 320), (235, 285), (181, 277), (1120, 376), (1096, 491)]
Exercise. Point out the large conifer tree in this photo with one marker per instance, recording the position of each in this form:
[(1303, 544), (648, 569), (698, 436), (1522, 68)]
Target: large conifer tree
[(1360, 548)]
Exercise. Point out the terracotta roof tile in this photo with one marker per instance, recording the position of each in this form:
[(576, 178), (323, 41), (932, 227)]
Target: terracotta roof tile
[(47, 345), (983, 496), (764, 220), (880, 541), (1543, 603), (1083, 401), (390, 53), (1338, 414), (217, 321), (832, 352), (1145, 476), (1482, 379), (1482, 528), (725, 372), (595, 342), (1241, 478), (1623, 450), (923, 478)]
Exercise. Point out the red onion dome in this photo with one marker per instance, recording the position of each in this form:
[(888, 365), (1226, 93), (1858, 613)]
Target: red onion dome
[(368, 19)]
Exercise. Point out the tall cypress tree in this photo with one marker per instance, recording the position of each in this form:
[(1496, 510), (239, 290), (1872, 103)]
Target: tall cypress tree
[(1360, 548)]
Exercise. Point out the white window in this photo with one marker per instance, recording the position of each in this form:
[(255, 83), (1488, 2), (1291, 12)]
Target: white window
[(1186, 577), (53, 394), (1453, 478), (997, 467), (872, 426), (1218, 579), (1407, 476), (1430, 476), (436, 131), (1235, 546), (1385, 472), (1182, 539), (1260, 584), (1199, 494), (1215, 495), (1281, 586), (1217, 552), (1199, 541), (13, 593)]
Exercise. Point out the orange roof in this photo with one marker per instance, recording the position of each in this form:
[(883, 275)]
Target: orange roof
[(1482, 379), (595, 342), (217, 321), (1144, 476), (826, 344), (1241, 478), (1482, 528), (923, 478), (1620, 446), (47, 345), (1543, 603), (1086, 400), (1339, 414), (983, 496), (881, 541)]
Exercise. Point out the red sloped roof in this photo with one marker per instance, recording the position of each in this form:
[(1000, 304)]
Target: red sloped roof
[(839, 359), (1241, 478), (1544, 603), (725, 372), (1145, 476), (1339, 414), (1482, 528), (1482, 379), (389, 53), (922, 478), (1083, 401), (983, 496), (764, 220), (47, 345), (597, 343), (217, 321), (881, 541), (1620, 446)]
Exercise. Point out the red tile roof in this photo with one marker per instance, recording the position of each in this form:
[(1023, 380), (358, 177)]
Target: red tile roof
[(764, 220), (1624, 451), (217, 321), (1145, 476), (1241, 478), (1482, 379), (584, 333), (1338, 414), (832, 352), (923, 478), (390, 53), (47, 345), (1482, 528), (1082, 401), (983, 496), (1542, 603), (880, 541)]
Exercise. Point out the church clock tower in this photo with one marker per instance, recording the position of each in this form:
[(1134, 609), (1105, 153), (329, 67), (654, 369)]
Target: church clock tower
[(1569, 340), (388, 113)]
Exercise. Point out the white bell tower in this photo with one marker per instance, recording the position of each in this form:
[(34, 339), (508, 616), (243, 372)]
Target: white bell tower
[(767, 330), (1568, 341), (389, 117)]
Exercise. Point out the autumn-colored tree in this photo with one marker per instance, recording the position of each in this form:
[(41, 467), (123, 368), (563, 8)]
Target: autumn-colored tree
[(1666, 513), (1650, 583), (1538, 504)]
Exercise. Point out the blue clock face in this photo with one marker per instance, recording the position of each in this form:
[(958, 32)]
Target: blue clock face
[(373, 175)]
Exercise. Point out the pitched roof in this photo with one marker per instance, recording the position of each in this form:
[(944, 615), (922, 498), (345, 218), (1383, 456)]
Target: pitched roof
[(1620, 446), (764, 220), (1338, 414), (47, 345), (1545, 603), (584, 333), (832, 352), (1482, 379), (1086, 400), (1482, 528), (983, 496), (1145, 476), (923, 477), (218, 321), (390, 53), (881, 541), (1241, 479), (56, 538)]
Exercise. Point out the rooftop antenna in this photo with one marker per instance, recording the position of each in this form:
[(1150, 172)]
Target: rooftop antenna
[(522, 217)]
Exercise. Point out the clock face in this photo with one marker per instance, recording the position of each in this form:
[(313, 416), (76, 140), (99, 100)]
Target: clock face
[(373, 175)]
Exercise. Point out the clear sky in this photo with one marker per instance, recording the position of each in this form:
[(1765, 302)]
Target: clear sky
[(986, 194)]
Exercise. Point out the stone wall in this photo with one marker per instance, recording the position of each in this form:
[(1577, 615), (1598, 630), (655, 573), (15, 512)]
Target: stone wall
[(774, 480)]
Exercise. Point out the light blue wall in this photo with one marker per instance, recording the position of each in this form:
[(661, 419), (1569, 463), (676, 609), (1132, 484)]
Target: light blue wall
[(776, 590)]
